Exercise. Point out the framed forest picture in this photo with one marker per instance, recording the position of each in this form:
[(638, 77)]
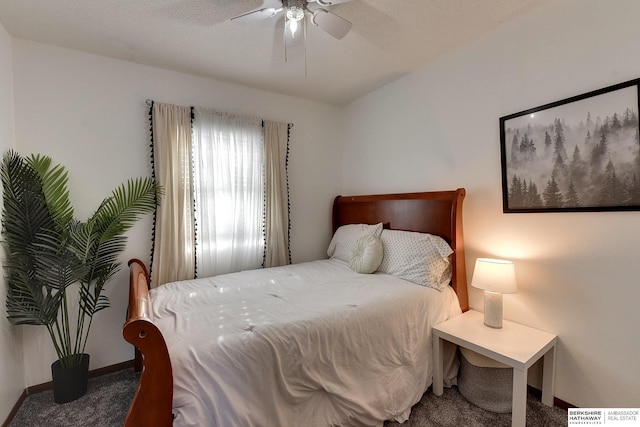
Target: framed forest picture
[(577, 154)]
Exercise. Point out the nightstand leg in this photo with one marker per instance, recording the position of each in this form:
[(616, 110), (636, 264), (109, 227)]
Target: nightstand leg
[(519, 405), (548, 372), (438, 374)]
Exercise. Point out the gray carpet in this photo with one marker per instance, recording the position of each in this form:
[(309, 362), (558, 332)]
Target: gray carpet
[(452, 410), (108, 398), (105, 404)]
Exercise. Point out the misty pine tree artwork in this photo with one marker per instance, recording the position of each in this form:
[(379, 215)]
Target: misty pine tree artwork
[(578, 154)]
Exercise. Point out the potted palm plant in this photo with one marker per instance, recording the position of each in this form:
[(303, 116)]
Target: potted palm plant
[(56, 266)]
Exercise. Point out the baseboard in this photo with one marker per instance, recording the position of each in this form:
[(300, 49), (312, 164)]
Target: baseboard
[(92, 374), (556, 402), (49, 385), (15, 408)]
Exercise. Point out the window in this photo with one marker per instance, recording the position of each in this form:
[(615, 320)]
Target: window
[(229, 192), (226, 193)]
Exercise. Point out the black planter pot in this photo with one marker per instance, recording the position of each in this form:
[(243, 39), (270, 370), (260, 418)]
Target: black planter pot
[(70, 383)]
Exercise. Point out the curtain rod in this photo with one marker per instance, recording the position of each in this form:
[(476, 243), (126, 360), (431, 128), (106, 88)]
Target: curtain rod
[(150, 101)]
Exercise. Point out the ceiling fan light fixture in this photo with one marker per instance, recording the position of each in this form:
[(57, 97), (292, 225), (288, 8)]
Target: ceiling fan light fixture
[(295, 13), (293, 27)]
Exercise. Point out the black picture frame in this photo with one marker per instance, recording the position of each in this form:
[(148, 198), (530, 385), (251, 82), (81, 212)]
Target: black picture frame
[(580, 154)]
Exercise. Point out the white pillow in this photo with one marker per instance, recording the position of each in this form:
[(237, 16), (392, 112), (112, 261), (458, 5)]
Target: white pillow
[(366, 254), (417, 257), (346, 236)]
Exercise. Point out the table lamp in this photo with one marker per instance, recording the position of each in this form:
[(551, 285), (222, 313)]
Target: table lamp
[(495, 277)]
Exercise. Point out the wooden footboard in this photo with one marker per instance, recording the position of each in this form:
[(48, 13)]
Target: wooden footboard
[(153, 400)]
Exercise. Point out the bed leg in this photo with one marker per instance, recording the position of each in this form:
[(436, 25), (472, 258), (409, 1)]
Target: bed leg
[(137, 361)]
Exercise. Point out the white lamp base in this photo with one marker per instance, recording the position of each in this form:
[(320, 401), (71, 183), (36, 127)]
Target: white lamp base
[(493, 309)]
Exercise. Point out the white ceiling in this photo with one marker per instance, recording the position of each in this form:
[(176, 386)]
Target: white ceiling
[(389, 38)]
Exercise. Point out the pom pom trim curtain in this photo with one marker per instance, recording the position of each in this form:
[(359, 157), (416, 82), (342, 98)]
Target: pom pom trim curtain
[(215, 165)]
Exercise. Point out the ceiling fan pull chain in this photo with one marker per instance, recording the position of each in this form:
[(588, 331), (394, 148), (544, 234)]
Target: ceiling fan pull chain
[(284, 37)]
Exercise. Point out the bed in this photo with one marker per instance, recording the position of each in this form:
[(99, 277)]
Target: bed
[(267, 348)]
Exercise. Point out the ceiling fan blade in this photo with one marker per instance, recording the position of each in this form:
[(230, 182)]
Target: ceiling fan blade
[(255, 15), (331, 23), (328, 2)]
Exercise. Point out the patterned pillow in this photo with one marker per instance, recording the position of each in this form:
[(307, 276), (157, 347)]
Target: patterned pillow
[(417, 257), (347, 235), (366, 254)]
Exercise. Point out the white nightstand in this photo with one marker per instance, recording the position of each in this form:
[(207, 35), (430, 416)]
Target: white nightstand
[(515, 345)]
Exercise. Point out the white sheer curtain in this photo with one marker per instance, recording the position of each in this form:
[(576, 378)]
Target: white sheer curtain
[(173, 251), (229, 192)]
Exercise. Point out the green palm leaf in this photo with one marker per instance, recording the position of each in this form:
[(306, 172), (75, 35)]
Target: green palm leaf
[(25, 215), (92, 301), (47, 250), (101, 239), (54, 188), (59, 267), (128, 202), (29, 305)]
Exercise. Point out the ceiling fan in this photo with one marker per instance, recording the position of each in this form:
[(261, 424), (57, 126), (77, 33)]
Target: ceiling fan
[(295, 12)]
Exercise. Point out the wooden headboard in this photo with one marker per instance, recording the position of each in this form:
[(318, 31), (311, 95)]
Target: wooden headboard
[(436, 212)]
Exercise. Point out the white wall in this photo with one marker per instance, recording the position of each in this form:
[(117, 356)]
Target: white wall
[(88, 113), (438, 128), (11, 365), (434, 129)]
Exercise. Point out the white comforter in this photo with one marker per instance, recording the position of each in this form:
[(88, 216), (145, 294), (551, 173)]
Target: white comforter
[(311, 344)]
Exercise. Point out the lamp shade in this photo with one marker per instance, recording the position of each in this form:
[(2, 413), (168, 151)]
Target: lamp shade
[(495, 275)]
